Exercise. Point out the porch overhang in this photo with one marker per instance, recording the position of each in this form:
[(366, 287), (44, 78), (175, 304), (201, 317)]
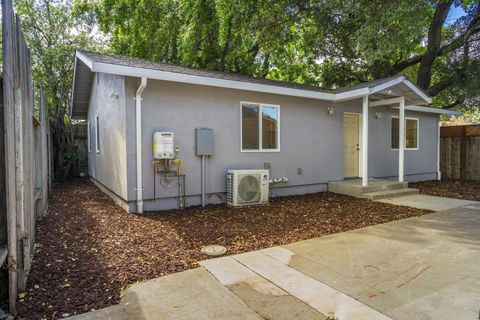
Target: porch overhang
[(388, 88)]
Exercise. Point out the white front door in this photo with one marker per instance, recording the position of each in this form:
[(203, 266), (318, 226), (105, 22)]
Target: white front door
[(351, 145)]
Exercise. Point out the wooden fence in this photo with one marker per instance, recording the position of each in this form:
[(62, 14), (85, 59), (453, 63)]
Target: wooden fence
[(460, 152), (24, 165), (80, 141)]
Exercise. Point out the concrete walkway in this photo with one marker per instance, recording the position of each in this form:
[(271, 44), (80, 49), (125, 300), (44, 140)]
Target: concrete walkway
[(418, 268), (428, 202)]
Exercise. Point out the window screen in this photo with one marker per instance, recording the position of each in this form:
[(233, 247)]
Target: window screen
[(269, 127)]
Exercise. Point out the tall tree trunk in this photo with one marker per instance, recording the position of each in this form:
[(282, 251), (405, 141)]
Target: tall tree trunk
[(266, 65), (433, 45), (226, 47)]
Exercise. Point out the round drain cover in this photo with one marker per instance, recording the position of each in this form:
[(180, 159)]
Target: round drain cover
[(214, 250)]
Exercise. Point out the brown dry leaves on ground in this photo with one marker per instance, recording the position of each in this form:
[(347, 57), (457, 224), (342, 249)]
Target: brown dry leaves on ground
[(89, 248), (467, 190)]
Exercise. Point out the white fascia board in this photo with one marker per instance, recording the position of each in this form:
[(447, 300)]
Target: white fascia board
[(419, 92), (70, 107), (432, 110), (242, 85), (386, 85), (207, 81), (350, 95), (84, 59), (407, 82)]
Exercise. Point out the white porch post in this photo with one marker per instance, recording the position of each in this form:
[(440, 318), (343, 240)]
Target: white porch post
[(439, 173), (365, 142), (401, 144)]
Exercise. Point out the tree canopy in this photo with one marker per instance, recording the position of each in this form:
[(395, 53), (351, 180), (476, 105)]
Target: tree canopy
[(319, 42), (53, 31)]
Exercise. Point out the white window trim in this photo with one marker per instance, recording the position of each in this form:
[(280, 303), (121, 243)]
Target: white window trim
[(97, 149), (260, 142), (418, 133), (88, 137)]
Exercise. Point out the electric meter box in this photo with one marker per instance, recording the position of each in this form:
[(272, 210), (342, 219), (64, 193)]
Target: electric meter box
[(204, 141), (163, 145)]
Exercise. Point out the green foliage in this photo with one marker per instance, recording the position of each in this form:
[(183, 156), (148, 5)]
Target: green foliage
[(321, 42), (53, 33)]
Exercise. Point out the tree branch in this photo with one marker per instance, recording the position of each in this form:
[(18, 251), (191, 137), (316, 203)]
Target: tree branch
[(433, 46), (456, 43)]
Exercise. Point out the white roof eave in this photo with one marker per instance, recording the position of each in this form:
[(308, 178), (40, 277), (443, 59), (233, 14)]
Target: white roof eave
[(432, 110), (244, 85)]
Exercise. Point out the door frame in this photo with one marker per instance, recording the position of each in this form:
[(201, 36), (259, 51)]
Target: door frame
[(360, 142)]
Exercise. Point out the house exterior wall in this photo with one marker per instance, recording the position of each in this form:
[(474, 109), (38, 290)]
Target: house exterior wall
[(420, 164), (108, 168), (311, 140)]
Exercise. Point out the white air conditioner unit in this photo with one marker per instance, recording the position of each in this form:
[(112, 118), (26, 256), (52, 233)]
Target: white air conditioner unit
[(247, 187)]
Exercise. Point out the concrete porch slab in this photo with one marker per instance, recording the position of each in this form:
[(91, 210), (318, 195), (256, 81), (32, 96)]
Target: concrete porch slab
[(429, 202)]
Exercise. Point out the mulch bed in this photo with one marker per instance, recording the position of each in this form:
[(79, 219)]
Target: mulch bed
[(89, 248), (467, 190)]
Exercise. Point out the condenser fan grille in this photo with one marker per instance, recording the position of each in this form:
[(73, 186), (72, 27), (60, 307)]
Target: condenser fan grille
[(249, 188)]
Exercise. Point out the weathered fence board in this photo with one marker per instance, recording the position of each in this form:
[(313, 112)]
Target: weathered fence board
[(24, 168), (460, 152), (81, 149)]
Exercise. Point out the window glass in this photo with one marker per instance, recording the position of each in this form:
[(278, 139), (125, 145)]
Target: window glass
[(89, 140), (411, 140), (411, 133), (395, 133), (250, 126), (269, 127), (97, 134)]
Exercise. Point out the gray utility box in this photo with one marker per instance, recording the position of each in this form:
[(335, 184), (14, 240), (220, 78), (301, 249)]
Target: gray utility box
[(204, 141)]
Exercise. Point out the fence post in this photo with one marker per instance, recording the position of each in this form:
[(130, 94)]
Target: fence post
[(9, 127), (463, 153)]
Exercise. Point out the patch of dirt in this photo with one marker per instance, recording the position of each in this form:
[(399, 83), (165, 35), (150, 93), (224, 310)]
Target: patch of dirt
[(467, 189), (89, 248)]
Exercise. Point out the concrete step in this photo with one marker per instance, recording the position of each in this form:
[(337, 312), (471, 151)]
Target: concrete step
[(354, 188), (384, 194), (394, 185)]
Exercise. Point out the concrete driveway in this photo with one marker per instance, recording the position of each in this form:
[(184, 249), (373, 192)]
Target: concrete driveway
[(418, 268)]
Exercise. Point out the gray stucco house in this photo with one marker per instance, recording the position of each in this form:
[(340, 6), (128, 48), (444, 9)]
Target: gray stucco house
[(307, 134)]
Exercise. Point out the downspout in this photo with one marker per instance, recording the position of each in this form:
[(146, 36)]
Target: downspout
[(138, 129)]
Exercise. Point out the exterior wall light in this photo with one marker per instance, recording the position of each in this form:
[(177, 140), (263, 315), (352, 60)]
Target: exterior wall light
[(378, 115), (330, 111)]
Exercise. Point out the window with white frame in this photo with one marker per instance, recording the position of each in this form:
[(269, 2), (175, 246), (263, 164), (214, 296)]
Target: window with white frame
[(89, 140), (97, 134), (411, 133), (260, 127)]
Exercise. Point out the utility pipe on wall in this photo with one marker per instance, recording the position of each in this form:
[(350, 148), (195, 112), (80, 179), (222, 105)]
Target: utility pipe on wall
[(138, 133), (202, 177)]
